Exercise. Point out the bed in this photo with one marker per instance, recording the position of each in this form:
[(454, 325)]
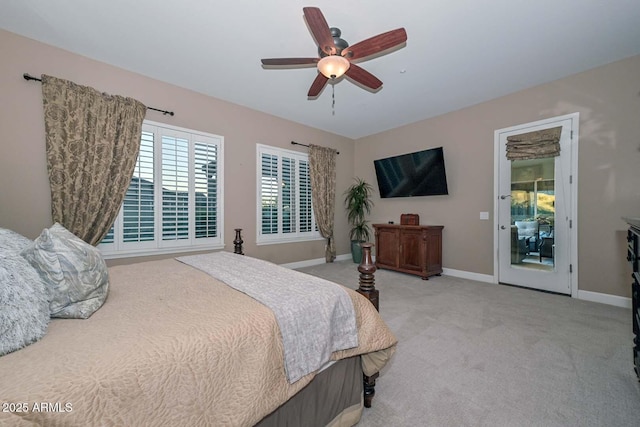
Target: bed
[(172, 345)]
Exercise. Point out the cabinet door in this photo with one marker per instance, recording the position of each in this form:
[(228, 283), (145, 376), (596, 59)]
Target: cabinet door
[(387, 247), (433, 247), (411, 249)]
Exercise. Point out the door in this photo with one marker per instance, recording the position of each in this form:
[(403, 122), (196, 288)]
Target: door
[(411, 252), (387, 244), (535, 207)]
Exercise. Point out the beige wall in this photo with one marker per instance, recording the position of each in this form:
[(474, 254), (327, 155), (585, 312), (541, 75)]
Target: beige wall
[(608, 100), (24, 188)]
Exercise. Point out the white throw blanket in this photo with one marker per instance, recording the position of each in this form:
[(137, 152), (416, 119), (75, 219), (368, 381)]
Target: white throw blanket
[(315, 316)]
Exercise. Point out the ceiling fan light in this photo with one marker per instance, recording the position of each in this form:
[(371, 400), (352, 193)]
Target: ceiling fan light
[(333, 66)]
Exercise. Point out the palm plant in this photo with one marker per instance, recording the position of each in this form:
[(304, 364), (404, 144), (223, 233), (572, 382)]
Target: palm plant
[(357, 201)]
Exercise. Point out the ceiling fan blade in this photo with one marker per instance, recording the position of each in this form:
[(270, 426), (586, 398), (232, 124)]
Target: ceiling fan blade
[(318, 84), (376, 44), (290, 61), (363, 77), (320, 29)]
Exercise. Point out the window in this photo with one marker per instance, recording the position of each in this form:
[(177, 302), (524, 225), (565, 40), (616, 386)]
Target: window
[(174, 201), (284, 212), (533, 199)]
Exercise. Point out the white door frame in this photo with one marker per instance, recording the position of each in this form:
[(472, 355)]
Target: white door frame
[(573, 232)]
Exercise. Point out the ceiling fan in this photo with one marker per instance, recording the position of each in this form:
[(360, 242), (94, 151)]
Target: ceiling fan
[(336, 55)]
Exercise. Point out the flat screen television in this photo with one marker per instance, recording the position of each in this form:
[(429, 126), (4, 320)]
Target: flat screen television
[(415, 174)]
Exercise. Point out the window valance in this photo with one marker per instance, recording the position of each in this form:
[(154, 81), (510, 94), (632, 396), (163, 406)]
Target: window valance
[(534, 145)]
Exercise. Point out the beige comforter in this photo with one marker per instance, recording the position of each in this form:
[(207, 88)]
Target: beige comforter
[(171, 346)]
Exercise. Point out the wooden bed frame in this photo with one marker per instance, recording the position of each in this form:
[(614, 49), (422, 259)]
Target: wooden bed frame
[(366, 288)]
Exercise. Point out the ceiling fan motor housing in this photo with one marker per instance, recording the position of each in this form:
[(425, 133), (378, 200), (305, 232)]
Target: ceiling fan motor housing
[(340, 43)]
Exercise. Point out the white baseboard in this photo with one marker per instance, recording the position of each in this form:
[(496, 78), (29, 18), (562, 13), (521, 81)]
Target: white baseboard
[(468, 275), (583, 295), (315, 261), (605, 298)]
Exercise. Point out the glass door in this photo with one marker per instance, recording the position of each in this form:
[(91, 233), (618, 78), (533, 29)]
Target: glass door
[(533, 214)]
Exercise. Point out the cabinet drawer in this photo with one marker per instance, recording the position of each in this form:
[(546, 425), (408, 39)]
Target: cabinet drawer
[(632, 257), (635, 309), (633, 248)]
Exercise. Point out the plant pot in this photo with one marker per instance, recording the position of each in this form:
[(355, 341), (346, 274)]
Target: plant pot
[(356, 251)]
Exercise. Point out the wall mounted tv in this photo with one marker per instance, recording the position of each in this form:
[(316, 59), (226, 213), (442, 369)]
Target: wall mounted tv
[(415, 174)]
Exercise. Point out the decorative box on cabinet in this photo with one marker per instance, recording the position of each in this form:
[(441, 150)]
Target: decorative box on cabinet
[(413, 249), (633, 256), (409, 219)]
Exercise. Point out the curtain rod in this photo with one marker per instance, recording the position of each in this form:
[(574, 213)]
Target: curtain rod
[(28, 77), (305, 145)]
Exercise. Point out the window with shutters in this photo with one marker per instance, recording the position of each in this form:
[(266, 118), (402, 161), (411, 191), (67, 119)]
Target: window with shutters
[(174, 201), (284, 212)]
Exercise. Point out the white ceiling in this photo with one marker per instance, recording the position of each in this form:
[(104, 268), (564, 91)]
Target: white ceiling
[(459, 52)]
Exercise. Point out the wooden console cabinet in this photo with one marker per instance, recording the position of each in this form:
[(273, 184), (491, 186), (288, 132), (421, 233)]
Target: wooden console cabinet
[(413, 249)]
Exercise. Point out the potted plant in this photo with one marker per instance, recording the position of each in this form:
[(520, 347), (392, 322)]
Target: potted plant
[(357, 201)]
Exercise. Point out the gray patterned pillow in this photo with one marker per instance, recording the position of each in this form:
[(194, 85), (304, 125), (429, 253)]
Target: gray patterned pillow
[(24, 304), (10, 241), (74, 271)]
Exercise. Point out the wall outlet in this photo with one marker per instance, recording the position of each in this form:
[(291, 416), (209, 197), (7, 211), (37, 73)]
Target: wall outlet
[(484, 215)]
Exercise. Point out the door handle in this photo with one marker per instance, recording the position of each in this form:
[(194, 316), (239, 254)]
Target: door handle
[(504, 196), (502, 227)]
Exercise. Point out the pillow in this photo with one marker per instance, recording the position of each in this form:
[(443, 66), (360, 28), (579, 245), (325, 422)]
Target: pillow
[(74, 271), (527, 228), (10, 241), (24, 304)]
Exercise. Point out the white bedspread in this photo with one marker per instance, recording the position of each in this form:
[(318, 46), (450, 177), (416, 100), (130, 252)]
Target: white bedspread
[(316, 317)]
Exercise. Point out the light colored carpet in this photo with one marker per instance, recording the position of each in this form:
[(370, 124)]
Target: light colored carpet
[(478, 354)]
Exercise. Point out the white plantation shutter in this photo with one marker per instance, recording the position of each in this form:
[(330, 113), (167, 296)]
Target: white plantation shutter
[(269, 194), (284, 196), (288, 195), (306, 211), (206, 183), (139, 206), (175, 188), (174, 200), (108, 239)]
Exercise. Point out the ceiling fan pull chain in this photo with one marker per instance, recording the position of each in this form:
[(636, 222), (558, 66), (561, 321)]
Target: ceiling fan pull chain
[(333, 100)]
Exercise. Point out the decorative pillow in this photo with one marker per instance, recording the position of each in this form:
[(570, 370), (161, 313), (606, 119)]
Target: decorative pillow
[(24, 304), (74, 271), (527, 228), (10, 241)]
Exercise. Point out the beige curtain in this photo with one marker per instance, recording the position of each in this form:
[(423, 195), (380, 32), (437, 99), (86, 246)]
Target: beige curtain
[(92, 142), (322, 164), (534, 145)]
